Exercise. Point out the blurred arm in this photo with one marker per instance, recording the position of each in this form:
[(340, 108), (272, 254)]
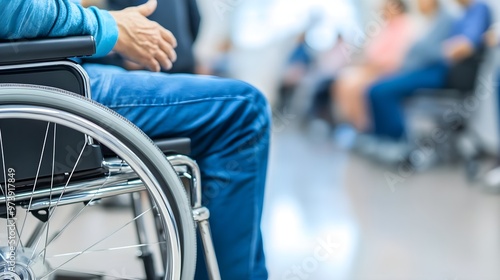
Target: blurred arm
[(493, 36), (471, 36)]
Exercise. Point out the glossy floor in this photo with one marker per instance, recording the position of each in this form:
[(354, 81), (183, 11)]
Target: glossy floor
[(333, 215)]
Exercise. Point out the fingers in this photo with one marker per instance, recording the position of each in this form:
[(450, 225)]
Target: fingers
[(162, 55), (147, 8), (168, 36), (168, 50), (163, 59), (153, 65), (166, 54)]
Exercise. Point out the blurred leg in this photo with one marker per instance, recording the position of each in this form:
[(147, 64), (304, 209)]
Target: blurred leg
[(350, 91), (228, 123), (386, 95), (342, 92)]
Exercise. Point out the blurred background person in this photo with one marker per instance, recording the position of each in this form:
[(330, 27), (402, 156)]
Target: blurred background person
[(213, 41), (437, 25), (327, 66), (386, 96), (383, 55)]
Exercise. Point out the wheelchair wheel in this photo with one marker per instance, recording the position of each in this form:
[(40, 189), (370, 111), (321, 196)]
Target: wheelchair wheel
[(52, 224)]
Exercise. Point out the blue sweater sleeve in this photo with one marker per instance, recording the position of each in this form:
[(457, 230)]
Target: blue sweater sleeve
[(21, 19), (479, 21)]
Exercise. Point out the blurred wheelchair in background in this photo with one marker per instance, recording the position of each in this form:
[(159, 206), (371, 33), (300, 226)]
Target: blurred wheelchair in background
[(62, 154), (440, 119)]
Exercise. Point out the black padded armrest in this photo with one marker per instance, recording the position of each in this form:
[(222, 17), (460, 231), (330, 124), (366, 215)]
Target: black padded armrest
[(14, 52), (439, 93), (175, 146)]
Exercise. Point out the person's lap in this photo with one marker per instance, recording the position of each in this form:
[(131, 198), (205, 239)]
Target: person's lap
[(228, 123), (385, 97)]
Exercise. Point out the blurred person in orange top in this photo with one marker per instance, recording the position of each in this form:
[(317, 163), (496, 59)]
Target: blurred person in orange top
[(383, 54)]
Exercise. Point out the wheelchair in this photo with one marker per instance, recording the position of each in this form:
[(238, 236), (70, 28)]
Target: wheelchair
[(62, 156), (448, 111)]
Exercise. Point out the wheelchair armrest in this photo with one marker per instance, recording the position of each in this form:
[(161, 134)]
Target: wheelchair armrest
[(25, 51), (436, 95), (439, 93), (433, 101), (175, 146)]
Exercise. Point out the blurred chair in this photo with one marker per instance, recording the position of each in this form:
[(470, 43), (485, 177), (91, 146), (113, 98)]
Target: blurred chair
[(443, 116)]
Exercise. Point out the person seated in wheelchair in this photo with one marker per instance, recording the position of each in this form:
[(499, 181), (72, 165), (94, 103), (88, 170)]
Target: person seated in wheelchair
[(227, 120), (385, 96)]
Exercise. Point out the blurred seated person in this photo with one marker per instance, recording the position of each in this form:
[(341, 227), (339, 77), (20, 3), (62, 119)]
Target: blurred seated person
[(181, 17), (383, 55), (386, 95), (297, 68), (312, 81), (227, 120)]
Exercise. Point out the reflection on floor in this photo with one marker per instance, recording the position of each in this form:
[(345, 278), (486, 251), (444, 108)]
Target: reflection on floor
[(332, 215)]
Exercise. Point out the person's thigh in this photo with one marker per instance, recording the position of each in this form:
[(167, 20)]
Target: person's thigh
[(228, 123), (385, 97), (402, 85)]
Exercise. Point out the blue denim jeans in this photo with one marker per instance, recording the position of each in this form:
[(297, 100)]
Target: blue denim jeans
[(385, 97), (229, 126)]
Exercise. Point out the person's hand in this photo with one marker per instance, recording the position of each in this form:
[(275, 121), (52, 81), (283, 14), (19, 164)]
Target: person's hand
[(492, 37), (144, 41), (458, 48)]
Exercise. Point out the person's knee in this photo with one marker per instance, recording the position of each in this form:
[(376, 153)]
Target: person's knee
[(255, 102)]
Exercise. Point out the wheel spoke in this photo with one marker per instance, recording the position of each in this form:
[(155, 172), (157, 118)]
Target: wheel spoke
[(71, 220), (107, 249), (97, 243), (5, 185), (36, 178), (53, 209), (51, 189), (101, 274), (81, 210)]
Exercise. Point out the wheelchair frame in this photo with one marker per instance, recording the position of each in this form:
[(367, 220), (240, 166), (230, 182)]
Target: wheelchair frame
[(82, 191)]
